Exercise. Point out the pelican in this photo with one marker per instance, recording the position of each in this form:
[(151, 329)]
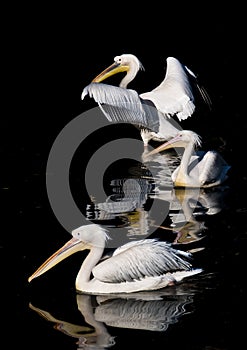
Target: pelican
[(150, 111), (196, 169), (142, 265)]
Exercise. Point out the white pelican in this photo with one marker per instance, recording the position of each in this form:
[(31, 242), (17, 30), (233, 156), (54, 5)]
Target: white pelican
[(142, 265), (196, 169), (150, 111)]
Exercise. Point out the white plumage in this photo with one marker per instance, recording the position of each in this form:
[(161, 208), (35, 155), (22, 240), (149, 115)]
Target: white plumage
[(150, 111), (174, 96), (128, 263), (197, 168), (136, 266)]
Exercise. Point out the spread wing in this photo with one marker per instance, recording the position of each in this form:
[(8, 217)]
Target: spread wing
[(175, 95), (121, 105)]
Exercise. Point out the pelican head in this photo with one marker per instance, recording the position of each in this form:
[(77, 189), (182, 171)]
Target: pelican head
[(92, 235), (84, 237), (183, 138), (123, 63)]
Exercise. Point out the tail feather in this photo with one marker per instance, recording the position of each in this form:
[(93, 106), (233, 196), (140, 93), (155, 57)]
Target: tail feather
[(180, 275)]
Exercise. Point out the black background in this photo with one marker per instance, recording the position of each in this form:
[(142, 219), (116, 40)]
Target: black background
[(52, 53)]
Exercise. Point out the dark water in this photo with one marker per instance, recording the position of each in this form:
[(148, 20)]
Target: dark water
[(204, 312)]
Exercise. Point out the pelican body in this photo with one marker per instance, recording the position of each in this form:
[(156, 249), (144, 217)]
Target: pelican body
[(196, 169), (150, 111), (142, 265)]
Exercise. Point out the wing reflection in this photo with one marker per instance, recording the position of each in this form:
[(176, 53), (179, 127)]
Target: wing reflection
[(127, 202), (182, 211), (152, 315), (149, 311)]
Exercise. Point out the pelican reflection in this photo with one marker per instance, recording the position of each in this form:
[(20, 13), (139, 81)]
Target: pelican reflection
[(149, 311), (145, 314)]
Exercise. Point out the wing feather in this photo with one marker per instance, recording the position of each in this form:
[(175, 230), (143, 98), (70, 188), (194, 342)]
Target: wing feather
[(136, 260), (120, 105), (176, 93), (212, 168)]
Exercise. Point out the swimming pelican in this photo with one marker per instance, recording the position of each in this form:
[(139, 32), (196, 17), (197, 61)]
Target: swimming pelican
[(150, 111), (142, 265), (196, 169)]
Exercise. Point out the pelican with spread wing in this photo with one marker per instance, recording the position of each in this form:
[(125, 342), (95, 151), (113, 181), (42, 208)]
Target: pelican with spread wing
[(142, 265), (151, 111)]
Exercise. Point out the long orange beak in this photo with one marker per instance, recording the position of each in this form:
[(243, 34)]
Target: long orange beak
[(174, 142), (71, 247), (111, 70)]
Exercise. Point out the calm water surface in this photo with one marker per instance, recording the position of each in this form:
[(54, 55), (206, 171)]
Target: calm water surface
[(203, 312), (55, 61)]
